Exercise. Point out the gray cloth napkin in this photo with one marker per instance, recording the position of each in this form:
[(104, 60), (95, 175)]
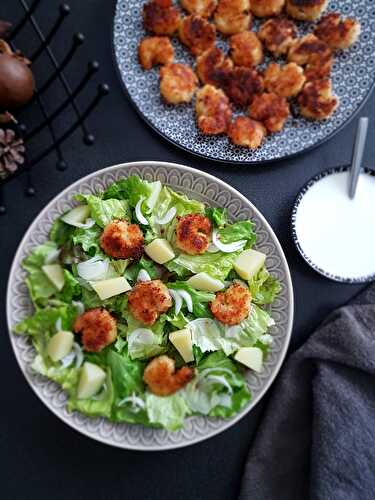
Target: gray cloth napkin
[(317, 437)]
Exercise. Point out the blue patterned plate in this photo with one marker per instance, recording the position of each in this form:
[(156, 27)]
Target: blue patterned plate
[(353, 80)]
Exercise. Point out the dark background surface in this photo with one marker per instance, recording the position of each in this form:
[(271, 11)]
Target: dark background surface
[(40, 456)]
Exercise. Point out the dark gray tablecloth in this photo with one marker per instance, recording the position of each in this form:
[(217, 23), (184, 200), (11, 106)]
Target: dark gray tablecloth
[(317, 437)]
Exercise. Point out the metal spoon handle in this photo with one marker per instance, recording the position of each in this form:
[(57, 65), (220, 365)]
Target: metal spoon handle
[(359, 148)]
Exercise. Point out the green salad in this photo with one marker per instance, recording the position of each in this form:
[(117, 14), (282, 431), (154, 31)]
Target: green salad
[(149, 306)]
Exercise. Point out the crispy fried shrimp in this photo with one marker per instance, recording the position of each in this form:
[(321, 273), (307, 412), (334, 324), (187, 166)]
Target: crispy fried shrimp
[(233, 16), (178, 83), (213, 110), (338, 33), (155, 50), (316, 100), (192, 233), (204, 8), (161, 376), (246, 132), (266, 8), (271, 109), (197, 34), (313, 53), (98, 329), (285, 81), (306, 10), (209, 62), (147, 300), (122, 240), (278, 35), (160, 17), (240, 84), (233, 305), (246, 49)]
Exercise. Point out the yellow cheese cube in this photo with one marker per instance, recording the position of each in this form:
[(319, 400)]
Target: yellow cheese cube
[(252, 357), (55, 274), (109, 288), (249, 263), (60, 345), (160, 251), (204, 282), (91, 380), (181, 339)]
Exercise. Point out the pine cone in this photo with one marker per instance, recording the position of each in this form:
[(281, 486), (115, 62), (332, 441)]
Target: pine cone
[(11, 152)]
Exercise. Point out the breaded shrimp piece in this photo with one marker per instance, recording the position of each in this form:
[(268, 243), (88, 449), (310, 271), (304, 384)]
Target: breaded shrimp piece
[(197, 34), (271, 109), (232, 305), (148, 300), (316, 100), (313, 53), (306, 10), (178, 83), (162, 379), (240, 84), (160, 17), (204, 8), (213, 110), (155, 50), (246, 132), (285, 81), (278, 34), (266, 8), (338, 33), (122, 240), (233, 16), (98, 329), (192, 233), (246, 49), (209, 62)]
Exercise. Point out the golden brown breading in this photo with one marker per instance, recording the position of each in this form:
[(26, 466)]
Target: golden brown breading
[(316, 100), (122, 240), (233, 16), (313, 53), (147, 300), (246, 49), (266, 8), (178, 83), (98, 329), (244, 131), (155, 50), (240, 84), (162, 379), (270, 109), (285, 81), (204, 8), (278, 34), (197, 34), (209, 62), (338, 33), (192, 233), (213, 110), (160, 17), (233, 305), (306, 10)]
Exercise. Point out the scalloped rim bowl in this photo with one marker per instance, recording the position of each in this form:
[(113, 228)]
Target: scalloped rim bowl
[(195, 184)]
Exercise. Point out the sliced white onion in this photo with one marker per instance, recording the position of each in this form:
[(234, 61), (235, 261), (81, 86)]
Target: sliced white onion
[(79, 306), (212, 248), (68, 359), (187, 298), (138, 212), (220, 379), (226, 247), (85, 225), (266, 339), (93, 269), (52, 256), (167, 217), (136, 402), (206, 371), (232, 331), (143, 275), (177, 300), (78, 354), (58, 325)]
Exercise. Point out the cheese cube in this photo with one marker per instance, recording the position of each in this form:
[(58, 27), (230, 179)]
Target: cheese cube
[(91, 380), (181, 339), (109, 288), (252, 357), (204, 282), (249, 263), (55, 274), (160, 251), (76, 215), (60, 345)]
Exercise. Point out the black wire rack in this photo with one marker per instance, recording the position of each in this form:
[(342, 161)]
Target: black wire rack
[(69, 109)]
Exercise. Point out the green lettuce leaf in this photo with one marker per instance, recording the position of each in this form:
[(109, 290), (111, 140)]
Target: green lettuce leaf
[(219, 216), (72, 288), (88, 239), (61, 233), (105, 211), (132, 189), (99, 405), (200, 299), (132, 271), (116, 304), (217, 265), (242, 230), (264, 288), (168, 412)]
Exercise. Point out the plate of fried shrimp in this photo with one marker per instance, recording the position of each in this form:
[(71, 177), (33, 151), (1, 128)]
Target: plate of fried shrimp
[(150, 306), (246, 81)]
